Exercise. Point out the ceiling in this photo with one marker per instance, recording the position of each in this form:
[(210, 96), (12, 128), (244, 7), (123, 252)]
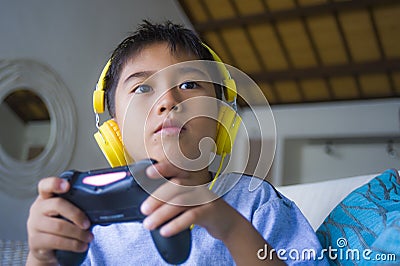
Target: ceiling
[(27, 105), (304, 51), (297, 51)]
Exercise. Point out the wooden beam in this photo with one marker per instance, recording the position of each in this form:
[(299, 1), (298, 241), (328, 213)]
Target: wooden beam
[(381, 66), (301, 11)]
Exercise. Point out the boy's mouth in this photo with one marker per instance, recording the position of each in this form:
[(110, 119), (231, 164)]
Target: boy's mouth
[(170, 127)]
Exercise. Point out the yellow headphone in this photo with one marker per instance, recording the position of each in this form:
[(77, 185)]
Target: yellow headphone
[(109, 136)]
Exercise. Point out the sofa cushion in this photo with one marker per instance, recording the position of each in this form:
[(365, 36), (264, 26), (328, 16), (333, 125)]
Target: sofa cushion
[(365, 226), (316, 200)]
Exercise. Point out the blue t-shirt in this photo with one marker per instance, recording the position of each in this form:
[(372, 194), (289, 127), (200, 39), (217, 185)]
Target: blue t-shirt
[(275, 217)]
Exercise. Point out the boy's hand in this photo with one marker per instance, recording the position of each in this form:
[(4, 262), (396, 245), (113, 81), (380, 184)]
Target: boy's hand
[(190, 205), (47, 232), (212, 213)]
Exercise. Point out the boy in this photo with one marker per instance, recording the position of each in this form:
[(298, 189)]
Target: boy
[(237, 228)]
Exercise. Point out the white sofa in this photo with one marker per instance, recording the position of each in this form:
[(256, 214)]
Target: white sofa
[(317, 200)]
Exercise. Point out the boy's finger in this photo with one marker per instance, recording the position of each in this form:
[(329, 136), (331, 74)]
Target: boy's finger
[(65, 209), (62, 243), (164, 194), (163, 214), (49, 186), (180, 223), (62, 228)]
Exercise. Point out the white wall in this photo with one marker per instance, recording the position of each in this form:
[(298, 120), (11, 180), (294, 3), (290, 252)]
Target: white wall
[(75, 39), (37, 134), (359, 132), (17, 137), (10, 139), (314, 160)]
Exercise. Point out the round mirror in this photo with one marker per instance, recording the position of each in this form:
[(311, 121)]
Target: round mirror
[(28, 124), (38, 126)]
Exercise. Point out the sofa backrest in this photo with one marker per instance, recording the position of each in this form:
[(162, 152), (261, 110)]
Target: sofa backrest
[(316, 200)]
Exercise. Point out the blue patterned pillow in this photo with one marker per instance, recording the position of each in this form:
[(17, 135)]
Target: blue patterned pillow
[(364, 228)]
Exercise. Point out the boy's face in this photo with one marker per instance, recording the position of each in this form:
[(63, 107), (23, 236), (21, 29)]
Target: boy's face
[(158, 118)]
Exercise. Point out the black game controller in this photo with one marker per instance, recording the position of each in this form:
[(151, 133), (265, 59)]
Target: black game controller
[(113, 195)]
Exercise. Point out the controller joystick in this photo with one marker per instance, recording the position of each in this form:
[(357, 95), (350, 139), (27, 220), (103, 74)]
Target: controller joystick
[(113, 195)]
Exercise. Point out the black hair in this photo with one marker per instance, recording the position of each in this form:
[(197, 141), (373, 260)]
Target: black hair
[(147, 33)]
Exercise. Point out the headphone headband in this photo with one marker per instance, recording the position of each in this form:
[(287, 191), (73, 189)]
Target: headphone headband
[(230, 91), (98, 94)]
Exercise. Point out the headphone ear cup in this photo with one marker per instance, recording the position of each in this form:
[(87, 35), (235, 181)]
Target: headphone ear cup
[(227, 128), (109, 140), (98, 101)]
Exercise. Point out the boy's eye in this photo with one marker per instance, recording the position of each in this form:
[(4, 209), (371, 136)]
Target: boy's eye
[(188, 85), (143, 88)]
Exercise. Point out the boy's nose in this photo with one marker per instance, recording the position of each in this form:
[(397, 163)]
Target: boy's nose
[(169, 101)]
